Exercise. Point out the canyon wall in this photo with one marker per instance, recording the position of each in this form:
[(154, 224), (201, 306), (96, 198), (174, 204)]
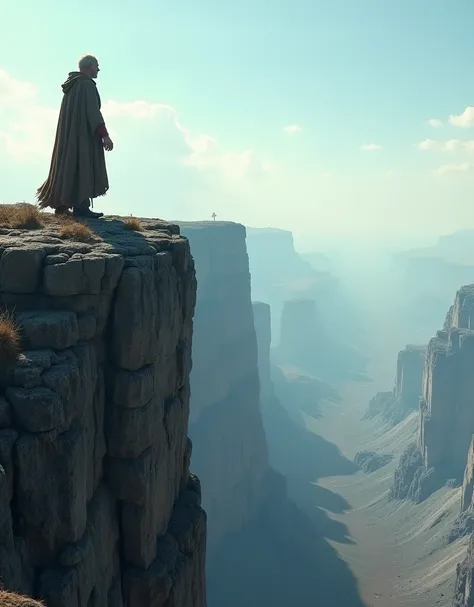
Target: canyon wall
[(446, 407), (395, 405), (229, 444), (97, 505), (262, 321)]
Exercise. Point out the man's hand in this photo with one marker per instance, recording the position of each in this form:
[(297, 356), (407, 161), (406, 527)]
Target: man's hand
[(108, 143)]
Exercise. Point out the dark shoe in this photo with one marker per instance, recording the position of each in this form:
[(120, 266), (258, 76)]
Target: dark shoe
[(86, 213), (63, 211)]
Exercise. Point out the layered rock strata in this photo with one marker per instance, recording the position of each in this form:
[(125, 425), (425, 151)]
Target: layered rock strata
[(97, 505)]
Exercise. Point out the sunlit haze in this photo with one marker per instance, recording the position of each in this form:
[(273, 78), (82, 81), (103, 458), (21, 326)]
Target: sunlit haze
[(343, 118)]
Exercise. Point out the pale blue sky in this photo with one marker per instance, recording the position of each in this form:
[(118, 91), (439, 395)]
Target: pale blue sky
[(347, 72)]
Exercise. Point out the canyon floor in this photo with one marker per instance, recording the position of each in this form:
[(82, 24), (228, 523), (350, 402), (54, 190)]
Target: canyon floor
[(397, 551)]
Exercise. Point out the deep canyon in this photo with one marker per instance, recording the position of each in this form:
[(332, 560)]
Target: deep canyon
[(200, 415)]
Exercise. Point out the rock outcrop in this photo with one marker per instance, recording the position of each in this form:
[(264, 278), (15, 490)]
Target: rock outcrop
[(97, 505), (369, 461), (446, 407), (394, 406), (229, 445), (447, 411)]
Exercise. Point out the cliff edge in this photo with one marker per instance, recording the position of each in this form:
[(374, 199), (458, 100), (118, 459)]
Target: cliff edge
[(97, 505)]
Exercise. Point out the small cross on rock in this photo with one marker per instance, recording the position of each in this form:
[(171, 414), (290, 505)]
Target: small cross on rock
[(214, 216)]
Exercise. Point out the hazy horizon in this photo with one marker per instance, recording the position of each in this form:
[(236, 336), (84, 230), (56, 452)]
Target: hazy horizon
[(334, 120)]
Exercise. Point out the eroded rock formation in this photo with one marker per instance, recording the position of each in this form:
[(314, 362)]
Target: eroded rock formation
[(447, 411), (369, 461), (446, 406), (97, 505), (394, 406), (462, 315)]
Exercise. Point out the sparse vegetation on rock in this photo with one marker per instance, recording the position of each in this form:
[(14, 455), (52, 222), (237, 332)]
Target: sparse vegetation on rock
[(134, 224), (10, 347), (72, 229), (8, 599), (22, 216)]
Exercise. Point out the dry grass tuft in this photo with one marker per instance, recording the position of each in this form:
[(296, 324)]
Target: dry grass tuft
[(132, 223), (72, 229), (22, 216), (9, 599), (10, 345)]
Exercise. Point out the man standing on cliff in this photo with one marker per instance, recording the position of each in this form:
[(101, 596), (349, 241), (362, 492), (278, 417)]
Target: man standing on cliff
[(78, 172)]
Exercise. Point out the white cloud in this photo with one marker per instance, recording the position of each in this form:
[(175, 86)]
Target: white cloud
[(450, 145), (27, 133), (464, 120), (27, 128), (292, 129), (370, 147), (428, 144), (435, 123), (463, 168)]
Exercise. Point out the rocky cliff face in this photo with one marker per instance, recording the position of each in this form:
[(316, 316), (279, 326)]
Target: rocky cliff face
[(229, 445), (461, 314), (262, 321), (447, 411), (97, 505), (446, 406), (394, 406)]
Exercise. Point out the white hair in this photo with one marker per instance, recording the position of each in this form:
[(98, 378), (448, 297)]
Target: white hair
[(86, 60)]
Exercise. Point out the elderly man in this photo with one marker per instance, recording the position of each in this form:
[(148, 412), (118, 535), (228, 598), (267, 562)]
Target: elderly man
[(78, 172)]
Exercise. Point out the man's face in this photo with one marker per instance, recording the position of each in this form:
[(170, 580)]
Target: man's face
[(94, 69)]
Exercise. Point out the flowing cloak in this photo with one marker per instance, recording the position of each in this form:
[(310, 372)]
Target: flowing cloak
[(77, 171)]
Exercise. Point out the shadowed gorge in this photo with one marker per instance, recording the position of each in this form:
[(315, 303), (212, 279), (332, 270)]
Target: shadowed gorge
[(257, 535), (330, 471)]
